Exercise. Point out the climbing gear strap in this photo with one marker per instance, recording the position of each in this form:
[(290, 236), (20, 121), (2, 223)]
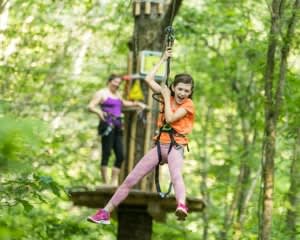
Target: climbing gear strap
[(165, 128)]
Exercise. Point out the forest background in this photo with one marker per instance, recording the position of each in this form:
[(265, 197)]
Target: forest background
[(56, 54)]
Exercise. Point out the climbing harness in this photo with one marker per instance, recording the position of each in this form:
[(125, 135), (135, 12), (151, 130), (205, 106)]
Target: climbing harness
[(172, 132), (104, 127)]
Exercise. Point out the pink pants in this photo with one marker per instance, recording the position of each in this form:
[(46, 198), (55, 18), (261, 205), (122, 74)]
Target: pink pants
[(147, 164)]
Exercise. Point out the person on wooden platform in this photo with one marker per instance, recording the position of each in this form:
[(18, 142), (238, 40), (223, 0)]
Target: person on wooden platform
[(107, 103), (175, 122)]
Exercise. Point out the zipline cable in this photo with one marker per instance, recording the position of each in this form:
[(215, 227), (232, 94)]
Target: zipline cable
[(169, 41)]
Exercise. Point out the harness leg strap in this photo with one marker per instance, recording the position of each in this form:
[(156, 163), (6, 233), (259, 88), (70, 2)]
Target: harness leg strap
[(171, 133), (157, 184)]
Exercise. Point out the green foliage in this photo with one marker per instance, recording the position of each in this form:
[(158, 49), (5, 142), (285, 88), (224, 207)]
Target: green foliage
[(18, 141), (56, 54), (39, 224)]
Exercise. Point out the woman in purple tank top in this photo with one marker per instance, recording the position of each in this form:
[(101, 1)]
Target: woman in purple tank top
[(107, 104)]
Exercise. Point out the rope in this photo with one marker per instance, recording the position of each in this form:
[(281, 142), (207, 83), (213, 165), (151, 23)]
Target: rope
[(169, 40), (172, 13)]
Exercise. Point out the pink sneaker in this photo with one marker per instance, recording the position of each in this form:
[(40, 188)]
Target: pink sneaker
[(101, 216), (181, 212)]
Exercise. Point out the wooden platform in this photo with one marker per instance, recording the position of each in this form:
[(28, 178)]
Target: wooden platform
[(156, 206)]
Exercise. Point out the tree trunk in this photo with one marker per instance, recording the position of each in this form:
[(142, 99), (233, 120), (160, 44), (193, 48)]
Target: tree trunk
[(285, 52), (272, 108), (248, 195), (241, 191), (79, 57), (270, 131), (246, 113), (230, 210), (294, 192), (203, 186), (2, 5)]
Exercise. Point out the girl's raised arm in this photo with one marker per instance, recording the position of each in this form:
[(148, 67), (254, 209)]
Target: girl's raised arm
[(150, 78)]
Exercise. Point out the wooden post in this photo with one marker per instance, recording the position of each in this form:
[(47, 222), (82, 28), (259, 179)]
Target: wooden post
[(129, 72), (160, 8), (132, 143), (137, 8), (147, 7), (127, 86), (134, 223), (148, 135)]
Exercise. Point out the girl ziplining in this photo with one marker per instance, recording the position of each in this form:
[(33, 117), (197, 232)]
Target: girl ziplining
[(178, 114)]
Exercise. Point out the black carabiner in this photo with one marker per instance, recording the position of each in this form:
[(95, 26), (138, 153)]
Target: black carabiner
[(170, 36)]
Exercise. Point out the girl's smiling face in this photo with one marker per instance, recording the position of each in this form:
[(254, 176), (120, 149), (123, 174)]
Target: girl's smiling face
[(182, 91)]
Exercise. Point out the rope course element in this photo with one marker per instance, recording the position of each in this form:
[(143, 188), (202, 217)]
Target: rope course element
[(169, 41)]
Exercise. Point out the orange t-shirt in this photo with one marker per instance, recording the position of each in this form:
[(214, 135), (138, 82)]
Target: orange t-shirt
[(182, 126)]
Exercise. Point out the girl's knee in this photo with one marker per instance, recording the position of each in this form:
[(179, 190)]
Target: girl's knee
[(177, 177), (130, 181)]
